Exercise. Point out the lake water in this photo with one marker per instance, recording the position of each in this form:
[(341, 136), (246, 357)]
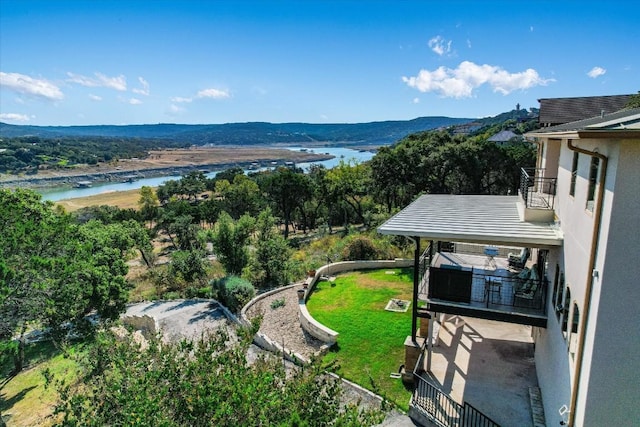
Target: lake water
[(55, 194)]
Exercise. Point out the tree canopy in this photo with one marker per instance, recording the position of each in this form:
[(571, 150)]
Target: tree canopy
[(205, 383), (54, 271)]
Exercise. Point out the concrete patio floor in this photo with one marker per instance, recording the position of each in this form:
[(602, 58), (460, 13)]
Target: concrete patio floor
[(488, 364)]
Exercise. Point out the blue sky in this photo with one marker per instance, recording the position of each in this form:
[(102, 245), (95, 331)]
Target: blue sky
[(135, 62)]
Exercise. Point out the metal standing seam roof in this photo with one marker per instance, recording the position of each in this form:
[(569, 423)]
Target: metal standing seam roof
[(471, 218)]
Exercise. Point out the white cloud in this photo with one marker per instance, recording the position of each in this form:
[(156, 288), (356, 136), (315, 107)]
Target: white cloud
[(205, 93), (213, 93), (100, 80), (81, 80), (117, 83), (134, 101), (596, 72), (29, 86), (95, 97), (439, 45), (416, 100), (181, 99), (14, 117), (145, 87), (460, 82)]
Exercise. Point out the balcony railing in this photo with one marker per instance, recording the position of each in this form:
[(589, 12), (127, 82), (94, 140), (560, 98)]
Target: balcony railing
[(505, 290), (537, 190), (466, 281), (440, 408)]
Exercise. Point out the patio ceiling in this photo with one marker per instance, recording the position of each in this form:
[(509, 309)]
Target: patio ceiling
[(476, 219)]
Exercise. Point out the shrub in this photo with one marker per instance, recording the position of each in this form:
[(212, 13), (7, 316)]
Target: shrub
[(360, 248), (233, 291), (276, 303), (199, 292)]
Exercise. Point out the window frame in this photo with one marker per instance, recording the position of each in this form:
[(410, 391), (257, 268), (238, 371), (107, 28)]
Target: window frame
[(574, 174), (594, 171)]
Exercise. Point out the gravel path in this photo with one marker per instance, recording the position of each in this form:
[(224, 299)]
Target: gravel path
[(282, 324)]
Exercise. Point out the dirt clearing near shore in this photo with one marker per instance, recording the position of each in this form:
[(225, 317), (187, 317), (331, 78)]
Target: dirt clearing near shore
[(204, 157), (122, 199)]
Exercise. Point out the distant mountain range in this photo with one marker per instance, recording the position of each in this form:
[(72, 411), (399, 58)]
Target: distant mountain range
[(373, 133)]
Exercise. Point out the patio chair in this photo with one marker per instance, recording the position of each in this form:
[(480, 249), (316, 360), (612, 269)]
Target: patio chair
[(518, 260), (527, 292)]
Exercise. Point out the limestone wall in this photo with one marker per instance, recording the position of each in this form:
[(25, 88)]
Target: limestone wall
[(317, 329)]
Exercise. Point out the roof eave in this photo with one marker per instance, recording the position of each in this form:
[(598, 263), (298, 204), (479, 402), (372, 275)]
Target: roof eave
[(476, 238), (588, 134)]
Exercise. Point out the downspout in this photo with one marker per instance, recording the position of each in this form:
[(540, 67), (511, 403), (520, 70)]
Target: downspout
[(416, 273), (590, 280)]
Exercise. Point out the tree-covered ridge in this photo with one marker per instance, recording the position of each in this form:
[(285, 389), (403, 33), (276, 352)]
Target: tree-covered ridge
[(383, 132), (28, 154), (24, 149)]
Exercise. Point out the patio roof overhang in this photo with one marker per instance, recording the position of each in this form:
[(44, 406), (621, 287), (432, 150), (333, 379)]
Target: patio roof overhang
[(471, 218)]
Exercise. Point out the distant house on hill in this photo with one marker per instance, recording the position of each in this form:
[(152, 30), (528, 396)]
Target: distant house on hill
[(466, 128), (557, 111), (505, 137)]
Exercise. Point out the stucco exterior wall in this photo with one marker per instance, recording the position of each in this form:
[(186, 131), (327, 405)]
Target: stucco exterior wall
[(612, 353), (551, 356), (608, 387)]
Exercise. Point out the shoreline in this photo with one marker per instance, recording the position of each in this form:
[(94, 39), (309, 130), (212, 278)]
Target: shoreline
[(144, 168)]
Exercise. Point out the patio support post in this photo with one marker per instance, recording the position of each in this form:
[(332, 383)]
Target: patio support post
[(416, 282), (430, 341)]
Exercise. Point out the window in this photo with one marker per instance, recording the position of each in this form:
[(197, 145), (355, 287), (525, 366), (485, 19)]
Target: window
[(555, 286), (557, 296), (593, 180), (574, 174), (565, 312), (573, 334)]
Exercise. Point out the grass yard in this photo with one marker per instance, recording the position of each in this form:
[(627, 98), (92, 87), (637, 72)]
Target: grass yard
[(371, 342), (24, 399)]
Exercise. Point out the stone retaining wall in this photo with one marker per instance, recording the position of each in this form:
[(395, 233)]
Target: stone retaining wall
[(317, 329), (264, 341), (308, 323)]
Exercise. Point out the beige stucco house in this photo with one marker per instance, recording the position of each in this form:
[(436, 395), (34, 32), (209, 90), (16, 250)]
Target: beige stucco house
[(560, 257)]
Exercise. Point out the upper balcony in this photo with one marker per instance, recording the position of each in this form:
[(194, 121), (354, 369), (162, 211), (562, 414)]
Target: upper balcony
[(489, 282), (537, 192)]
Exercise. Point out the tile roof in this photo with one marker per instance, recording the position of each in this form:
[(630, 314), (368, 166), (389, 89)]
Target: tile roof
[(470, 218), (554, 111)]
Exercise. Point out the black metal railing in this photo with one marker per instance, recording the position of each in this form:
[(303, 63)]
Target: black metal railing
[(440, 408), (526, 290), (423, 269), (537, 190)]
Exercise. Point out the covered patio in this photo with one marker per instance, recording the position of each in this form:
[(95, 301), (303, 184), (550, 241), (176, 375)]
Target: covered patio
[(484, 257), (476, 284)]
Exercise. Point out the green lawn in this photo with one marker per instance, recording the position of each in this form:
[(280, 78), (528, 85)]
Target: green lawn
[(371, 342), (24, 399)]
